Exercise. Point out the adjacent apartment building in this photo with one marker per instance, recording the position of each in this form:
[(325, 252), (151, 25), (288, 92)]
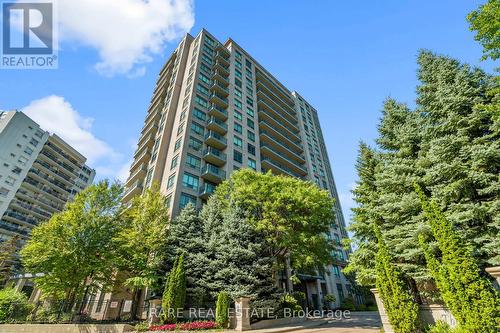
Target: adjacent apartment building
[(39, 173), (214, 110)]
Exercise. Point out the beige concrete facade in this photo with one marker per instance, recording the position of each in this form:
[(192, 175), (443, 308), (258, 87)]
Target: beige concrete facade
[(214, 110), (39, 173)]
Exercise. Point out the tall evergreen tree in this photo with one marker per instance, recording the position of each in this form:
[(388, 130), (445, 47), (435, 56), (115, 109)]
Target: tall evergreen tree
[(187, 237), (450, 144)]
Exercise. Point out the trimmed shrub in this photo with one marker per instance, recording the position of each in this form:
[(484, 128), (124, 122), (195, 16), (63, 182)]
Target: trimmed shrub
[(222, 310), (471, 298), (348, 304), (174, 296), (401, 310), (14, 306)]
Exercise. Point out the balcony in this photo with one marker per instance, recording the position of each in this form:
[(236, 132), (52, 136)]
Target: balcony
[(142, 158), (219, 100), (132, 191), (277, 168), (217, 125), (281, 146), (223, 68), (150, 129), (207, 190), (222, 50), (276, 89), (145, 140), (13, 229), (285, 136), (213, 174), (214, 156), (269, 115), (218, 112), (138, 173), (271, 103), (219, 89), (220, 76), (283, 159), (215, 140)]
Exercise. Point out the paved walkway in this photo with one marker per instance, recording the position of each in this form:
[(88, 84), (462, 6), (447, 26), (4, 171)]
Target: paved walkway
[(362, 322)]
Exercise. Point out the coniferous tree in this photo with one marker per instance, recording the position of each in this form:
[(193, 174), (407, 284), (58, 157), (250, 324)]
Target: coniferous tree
[(401, 310), (470, 297), (450, 144), (187, 237)]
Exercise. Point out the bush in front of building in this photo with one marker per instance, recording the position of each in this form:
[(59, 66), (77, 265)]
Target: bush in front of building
[(14, 306)]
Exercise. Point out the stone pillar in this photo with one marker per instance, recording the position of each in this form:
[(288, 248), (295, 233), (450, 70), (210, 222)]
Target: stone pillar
[(154, 311), (242, 314), (495, 272), (381, 311)]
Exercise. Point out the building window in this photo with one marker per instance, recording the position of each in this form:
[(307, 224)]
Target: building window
[(177, 144), (180, 129), (202, 90), (195, 143), (238, 142), (238, 115), (248, 63), (201, 101), (238, 156), (191, 181), (17, 170), (251, 135), (197, 128), (174, 162), (10, 180), (252, 164), (250, 112), (168, 201), (34, 142), (185, 199), (199, 114), (170, 181), (238, 128), (193, 161), (250, 123), (3, 192), (336, 270), (237, 104), (22, 160), (251, 149), (28, 150), (237, 82), (204, 78)]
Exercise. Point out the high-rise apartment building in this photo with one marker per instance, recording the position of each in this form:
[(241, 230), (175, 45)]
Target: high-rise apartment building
[(214, 110), (39, 173)]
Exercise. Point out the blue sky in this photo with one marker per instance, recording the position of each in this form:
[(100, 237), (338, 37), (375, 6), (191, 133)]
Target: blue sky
[(344, 57)]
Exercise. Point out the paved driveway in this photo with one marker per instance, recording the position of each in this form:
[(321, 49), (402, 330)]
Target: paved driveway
[(360, 322)]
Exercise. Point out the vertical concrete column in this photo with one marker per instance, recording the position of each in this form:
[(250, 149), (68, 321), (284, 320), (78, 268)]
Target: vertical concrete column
[(320, 293), (495, 272), (381, 311), (242, 312)]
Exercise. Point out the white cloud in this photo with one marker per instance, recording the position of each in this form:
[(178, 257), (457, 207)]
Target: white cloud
[(126, 33), (56, 115)]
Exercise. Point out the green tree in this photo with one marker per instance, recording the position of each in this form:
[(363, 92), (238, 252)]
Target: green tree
[(470, 297), (8, 254), (241, 264), (485, 21), (362, 261), (174, 296), (401, 310), (293, 215), (449, 145), (77, 243), (187, 237), (141, 241), (222, 310), (14, 306)]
